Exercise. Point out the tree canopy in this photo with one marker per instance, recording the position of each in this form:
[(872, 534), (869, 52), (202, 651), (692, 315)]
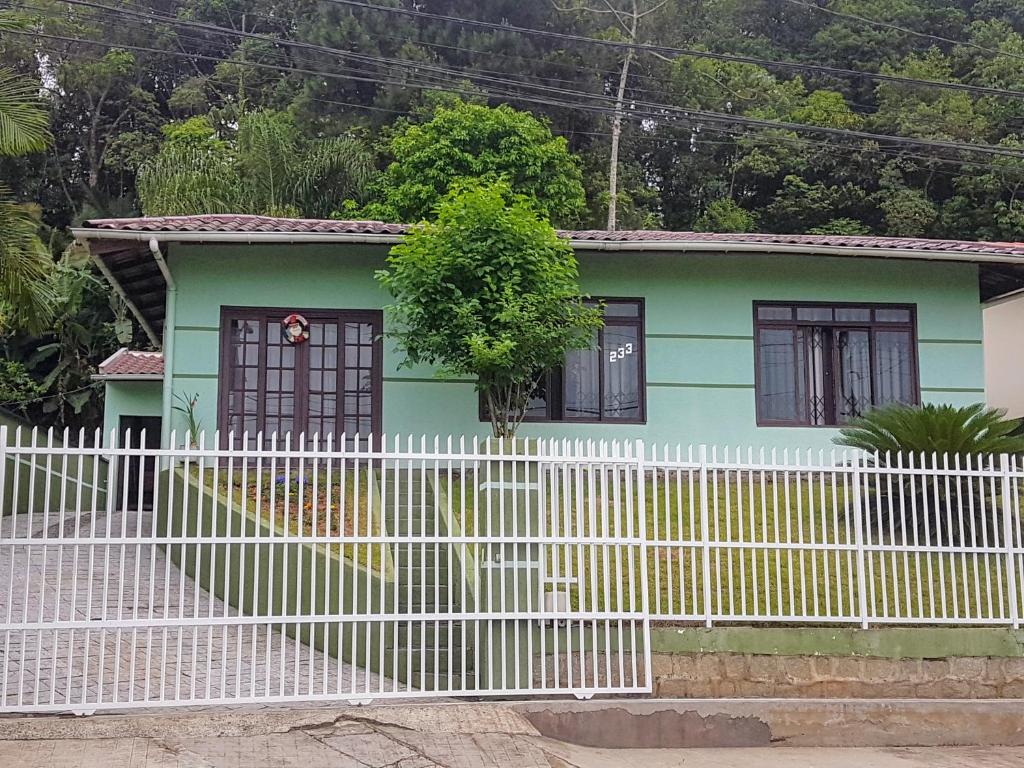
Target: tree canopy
[(265, 167), (488, 290), (473, 141), (416, 89)]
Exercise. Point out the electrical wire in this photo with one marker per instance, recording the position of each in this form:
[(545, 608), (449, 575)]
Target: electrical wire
[(904, 30), (639, 108), (675, 52)]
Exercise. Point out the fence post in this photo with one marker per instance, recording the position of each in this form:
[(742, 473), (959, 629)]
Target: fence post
[(705, 533), (645, 595), (1012, 578), (641, 500), (858, 520)]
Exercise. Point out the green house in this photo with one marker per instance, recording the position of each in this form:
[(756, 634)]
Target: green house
[(278, 325)]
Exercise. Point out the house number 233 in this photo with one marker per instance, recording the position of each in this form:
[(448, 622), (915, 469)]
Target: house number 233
[(620, 353)]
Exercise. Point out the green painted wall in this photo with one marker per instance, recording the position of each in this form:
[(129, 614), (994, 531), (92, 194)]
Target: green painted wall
[(49, 482), (129, 398), (700, 355)]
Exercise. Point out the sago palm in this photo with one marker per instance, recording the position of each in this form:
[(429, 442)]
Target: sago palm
[(933, 429), (926, 503)]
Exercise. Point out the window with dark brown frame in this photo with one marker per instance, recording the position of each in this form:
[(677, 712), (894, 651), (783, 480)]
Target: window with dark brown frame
[(328, 385), (605, 383), (823, 364)]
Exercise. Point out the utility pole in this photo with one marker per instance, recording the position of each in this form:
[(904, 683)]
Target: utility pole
[(629, 21)]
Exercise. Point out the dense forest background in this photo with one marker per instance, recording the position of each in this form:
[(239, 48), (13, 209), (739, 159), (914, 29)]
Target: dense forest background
[(123, 79)]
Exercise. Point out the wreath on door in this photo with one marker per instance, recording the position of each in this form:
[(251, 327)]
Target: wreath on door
[(295, 328)]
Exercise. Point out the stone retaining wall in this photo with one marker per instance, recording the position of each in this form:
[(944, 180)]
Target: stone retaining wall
[(725, 675), (886, 663)]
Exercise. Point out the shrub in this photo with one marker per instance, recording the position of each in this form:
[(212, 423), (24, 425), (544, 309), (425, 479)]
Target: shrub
[(925, 505)]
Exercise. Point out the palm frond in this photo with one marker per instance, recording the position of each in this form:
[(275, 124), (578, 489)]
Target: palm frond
[(333, 170), (25, 266), (184, 180), (269, 157), (24, 121)]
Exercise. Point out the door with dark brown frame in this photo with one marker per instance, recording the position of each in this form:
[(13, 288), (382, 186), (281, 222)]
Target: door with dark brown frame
[(328, 384)]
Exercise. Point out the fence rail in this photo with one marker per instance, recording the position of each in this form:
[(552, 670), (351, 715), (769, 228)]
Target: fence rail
[(394, 566)]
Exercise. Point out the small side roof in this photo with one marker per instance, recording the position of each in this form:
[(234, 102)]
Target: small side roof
[(128, 364)]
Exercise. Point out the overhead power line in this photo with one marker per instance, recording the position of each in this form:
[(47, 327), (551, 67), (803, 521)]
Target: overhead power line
[(735, 134), (675, 52), (641, 109), (904, 30)]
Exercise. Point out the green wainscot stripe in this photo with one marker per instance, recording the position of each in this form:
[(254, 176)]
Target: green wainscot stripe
[(888, 642), (695, 385), (975, 390), (210, 328), (707, 336), (975, 342), (196, 376), (431, 380)]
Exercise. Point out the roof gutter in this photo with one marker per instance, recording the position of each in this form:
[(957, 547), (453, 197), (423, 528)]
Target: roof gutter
[(794, 248), (127, 377), (715, 246), (105, 270), (235, 237)]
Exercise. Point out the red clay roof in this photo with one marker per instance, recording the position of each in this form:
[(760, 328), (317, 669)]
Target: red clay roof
[(241, 223), (126, 362), (230, 222)]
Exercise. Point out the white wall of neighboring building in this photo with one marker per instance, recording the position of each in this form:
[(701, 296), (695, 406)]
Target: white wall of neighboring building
[(1004, 355)]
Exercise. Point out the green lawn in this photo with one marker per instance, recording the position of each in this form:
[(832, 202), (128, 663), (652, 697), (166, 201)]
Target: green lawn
[(781, 525), (771, 575)]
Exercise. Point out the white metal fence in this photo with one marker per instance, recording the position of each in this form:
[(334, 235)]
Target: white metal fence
[(369, 569), (834, 537), (382, 567)]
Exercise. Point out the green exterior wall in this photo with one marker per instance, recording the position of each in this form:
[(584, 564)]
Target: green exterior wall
[(699, 325), (51, 483), (129, 398)]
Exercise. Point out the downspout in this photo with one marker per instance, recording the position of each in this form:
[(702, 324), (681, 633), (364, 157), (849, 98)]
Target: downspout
[(170, 302)]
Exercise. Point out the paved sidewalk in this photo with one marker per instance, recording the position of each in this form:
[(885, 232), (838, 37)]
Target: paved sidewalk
[(463, 736), (409, 736)]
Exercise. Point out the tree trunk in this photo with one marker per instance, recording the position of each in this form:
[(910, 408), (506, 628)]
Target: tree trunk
[(613, 163)]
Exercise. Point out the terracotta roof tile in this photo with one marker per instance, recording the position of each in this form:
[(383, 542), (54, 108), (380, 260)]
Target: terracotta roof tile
[(230, 222), (126, 362), (256, 224)]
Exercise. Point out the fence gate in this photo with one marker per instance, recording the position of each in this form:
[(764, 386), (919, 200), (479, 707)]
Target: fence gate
[(350, 570)]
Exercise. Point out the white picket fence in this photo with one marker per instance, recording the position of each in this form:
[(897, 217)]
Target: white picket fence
[(397, 566)]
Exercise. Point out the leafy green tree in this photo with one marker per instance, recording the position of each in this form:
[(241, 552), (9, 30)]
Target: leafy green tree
[(489, 290), (268, 168), (725, 216), (470, 141), (841, 226), (18, 390)]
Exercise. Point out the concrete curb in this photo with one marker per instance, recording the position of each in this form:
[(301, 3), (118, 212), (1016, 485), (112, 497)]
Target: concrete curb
[(639, 724), (682, 723)]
